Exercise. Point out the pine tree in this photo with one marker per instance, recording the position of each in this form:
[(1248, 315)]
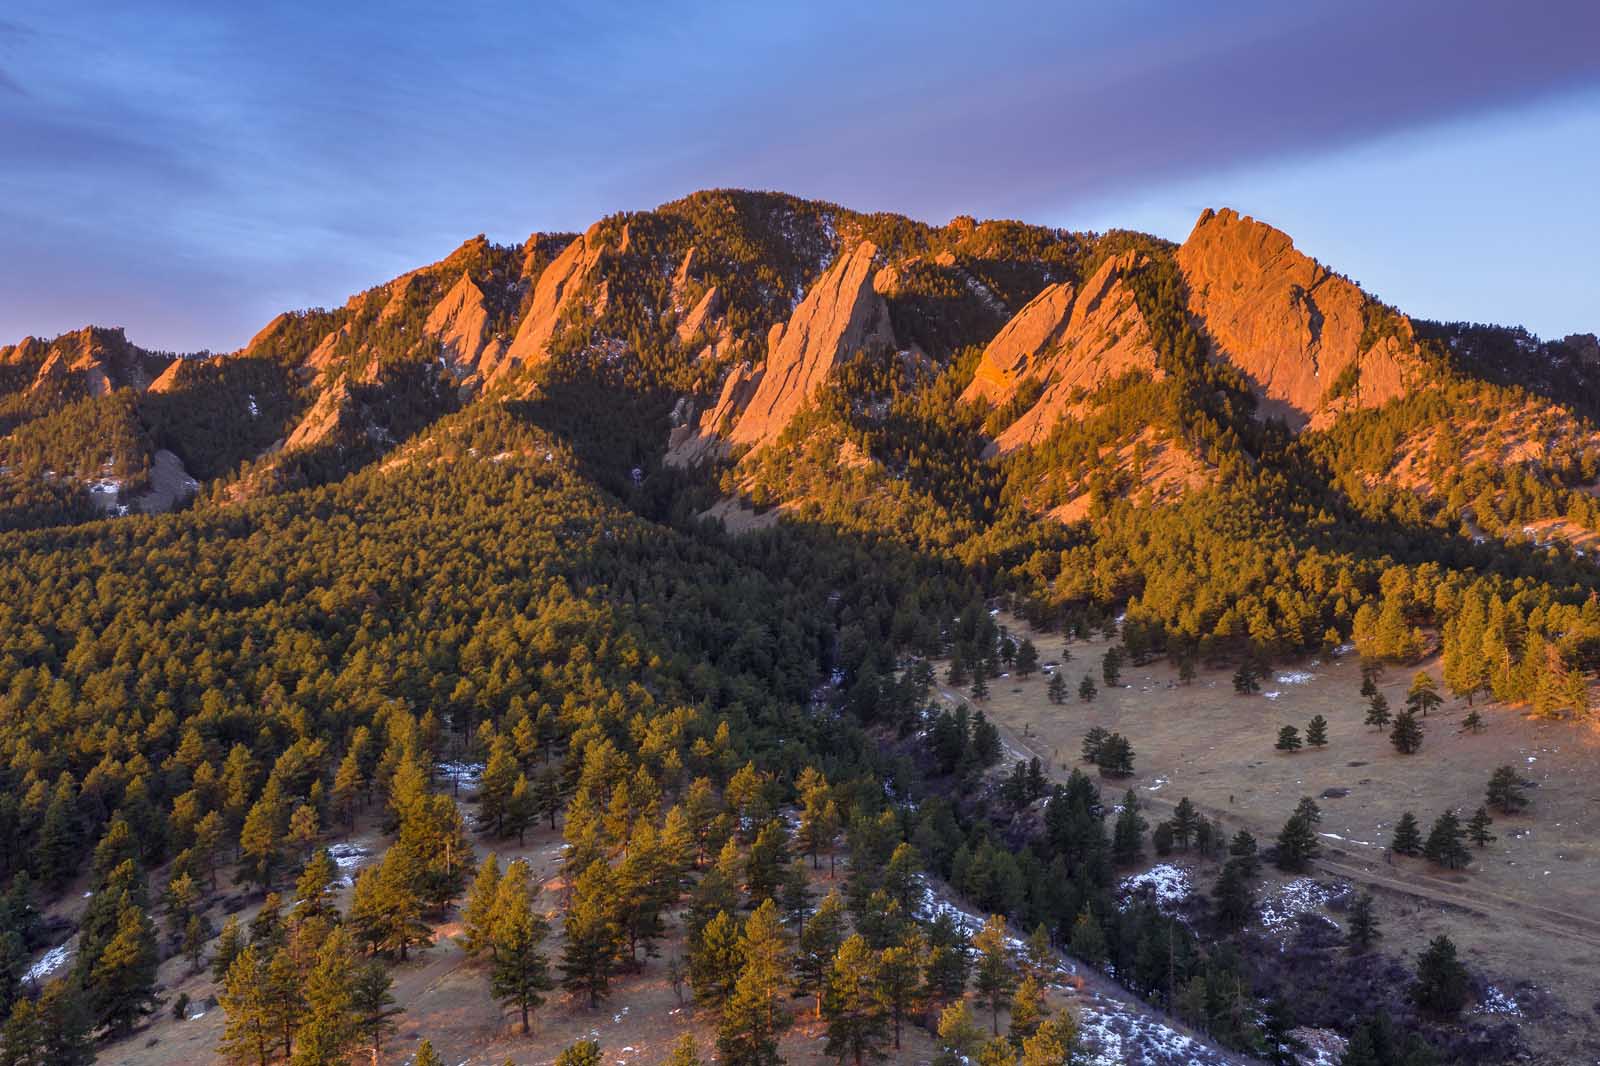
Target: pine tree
[(426, 1056), (1028, 1011), (1127, 838), (1363, 932), (1232, 895), (1086, 689), (1297, 843), (385, 910), (373, 1005), (477, 915), (1056, 690), (1406, 735), (715, 960), (684, 1052), (900, 979), (1027, 658), (995, 977), (1442, 981), (949, 961), (594, 936), (1186, 821), (857, 1025), (519, 972), (1055, 1044), (1317, 731), (122, 984), (1423, 695), (1407, 836), (1506, 791), (1478, 828), (1242, 849), (1277, 1034), (328, 1033), (1472, 723), (1446, 843), (316, 890), (819, 943), (250, 1037), (1378, 711), (980, 686), (1288, 739), (1245, 679), (753, 1018), (495, 786), (959, 1035), (230, 943), (1111, 666)]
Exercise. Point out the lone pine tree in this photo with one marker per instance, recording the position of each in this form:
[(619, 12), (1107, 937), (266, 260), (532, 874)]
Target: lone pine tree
[(1407, 838)]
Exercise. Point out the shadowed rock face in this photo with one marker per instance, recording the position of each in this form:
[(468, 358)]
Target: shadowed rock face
[(1069, 340), (1295, 329), (840, 315)]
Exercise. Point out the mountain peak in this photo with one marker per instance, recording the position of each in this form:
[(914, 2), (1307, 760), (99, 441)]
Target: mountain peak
[(1310, 341)]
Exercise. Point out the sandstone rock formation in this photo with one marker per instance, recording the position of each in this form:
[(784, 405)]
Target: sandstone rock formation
[(1300, 333), (97, 360), (1071, 341), (841, 314), (557, 286), (460, 322)]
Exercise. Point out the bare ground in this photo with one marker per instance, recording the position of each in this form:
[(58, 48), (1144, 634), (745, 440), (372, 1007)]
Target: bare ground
[(1524, 912)]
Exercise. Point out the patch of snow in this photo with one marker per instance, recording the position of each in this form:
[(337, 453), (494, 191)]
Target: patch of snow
[(48, 963), (250, 404), (1295, 677), (1272, 695), (1343, 649), (1169, 884), (1497, 1002), (1303, 895), (1156, 785), (1115, 1034), (463, 773)]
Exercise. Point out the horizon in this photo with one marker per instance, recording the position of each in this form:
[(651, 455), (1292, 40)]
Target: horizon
[(237, 165)]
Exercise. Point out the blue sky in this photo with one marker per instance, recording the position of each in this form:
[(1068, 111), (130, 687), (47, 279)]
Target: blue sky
[(188, 169)]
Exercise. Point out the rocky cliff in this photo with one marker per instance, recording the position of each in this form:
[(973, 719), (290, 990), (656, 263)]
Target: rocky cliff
[(841, 314), (1070, 341), (1310, 342)]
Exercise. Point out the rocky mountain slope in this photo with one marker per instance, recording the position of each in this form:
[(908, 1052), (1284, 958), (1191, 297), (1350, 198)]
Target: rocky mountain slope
[(725, 314)]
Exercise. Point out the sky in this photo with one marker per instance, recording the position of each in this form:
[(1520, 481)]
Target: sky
[(189, 169)]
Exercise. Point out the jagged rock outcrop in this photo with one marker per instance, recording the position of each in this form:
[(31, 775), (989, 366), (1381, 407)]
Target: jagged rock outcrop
[(97, 360), (841, 314), (1310, 341), (700, 315), (693, 441), (1069, 340), (558, 284), (460, 322)]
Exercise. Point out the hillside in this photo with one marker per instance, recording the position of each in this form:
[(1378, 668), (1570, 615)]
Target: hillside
[(629, 554)]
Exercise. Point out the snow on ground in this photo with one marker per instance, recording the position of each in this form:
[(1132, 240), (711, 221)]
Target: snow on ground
[(348, 858), (1272, 695), (1300, 896), (1169, 884), (1156, 785), (1115, 1035), (48, 963), (465, 774), (1497, 1002), (1296, 677)]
